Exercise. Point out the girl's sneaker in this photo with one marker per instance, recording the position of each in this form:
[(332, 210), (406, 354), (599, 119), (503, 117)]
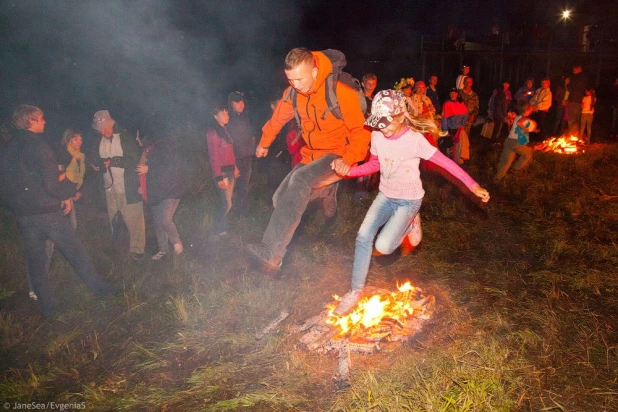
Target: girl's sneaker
[(33, 296), (159, 256), (348, 302), (416, 234)]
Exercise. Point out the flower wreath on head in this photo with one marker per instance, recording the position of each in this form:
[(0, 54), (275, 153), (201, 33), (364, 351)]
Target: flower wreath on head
[(404, 82)]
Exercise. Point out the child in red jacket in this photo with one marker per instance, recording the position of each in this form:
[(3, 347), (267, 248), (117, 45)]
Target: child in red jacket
[(223, 164)]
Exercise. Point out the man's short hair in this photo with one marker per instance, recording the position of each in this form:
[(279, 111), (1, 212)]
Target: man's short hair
[(23, 114), (297, 56), (369, 76)]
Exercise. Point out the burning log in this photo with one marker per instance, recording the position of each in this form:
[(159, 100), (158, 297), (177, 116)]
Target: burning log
[(380, 316), (315, 333), (391, 321), (309, 323), (323, 339), (376, 337), (272, 325)]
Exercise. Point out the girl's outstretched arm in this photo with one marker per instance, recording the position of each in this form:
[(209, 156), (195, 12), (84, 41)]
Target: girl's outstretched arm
[(447, 164), (369, 167)]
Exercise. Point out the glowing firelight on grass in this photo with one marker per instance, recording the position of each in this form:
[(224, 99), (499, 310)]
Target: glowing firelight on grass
[(372, 310)]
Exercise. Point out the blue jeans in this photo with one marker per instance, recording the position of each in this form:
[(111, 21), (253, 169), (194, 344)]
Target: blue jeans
[(49, 246), (165, 228), (291, 199), (57, 228), (396, 216), (221, 223)]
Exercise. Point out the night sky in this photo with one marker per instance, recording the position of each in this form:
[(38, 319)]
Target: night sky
[(172, 58)]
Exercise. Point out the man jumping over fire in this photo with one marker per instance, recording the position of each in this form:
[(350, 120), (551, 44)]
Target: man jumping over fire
[(329, 139)]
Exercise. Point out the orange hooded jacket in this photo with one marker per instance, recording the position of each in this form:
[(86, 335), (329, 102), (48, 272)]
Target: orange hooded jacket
[(346, 137)]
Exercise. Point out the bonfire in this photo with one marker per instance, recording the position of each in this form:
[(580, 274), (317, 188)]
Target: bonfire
[(563, 145), (380, 318)]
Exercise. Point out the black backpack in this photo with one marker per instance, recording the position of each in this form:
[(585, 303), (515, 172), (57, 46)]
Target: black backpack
[(338, 61)]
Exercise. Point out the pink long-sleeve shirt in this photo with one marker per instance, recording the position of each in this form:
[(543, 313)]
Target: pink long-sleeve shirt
[(398, 157)]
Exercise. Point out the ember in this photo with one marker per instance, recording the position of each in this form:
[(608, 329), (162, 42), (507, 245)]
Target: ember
[(563, 145)]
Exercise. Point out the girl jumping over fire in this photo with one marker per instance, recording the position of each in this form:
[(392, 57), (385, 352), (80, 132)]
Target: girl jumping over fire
[(396, 149)]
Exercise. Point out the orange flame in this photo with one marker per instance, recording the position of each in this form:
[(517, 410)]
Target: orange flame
[(371, 310), (563, 145)]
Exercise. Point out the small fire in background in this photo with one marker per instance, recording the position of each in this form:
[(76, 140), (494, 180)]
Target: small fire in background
[(563, 145)]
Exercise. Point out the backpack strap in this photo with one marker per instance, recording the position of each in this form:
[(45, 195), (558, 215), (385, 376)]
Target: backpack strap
[(291, 95), (331, 98)]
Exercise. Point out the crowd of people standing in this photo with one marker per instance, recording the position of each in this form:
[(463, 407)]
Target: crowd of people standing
[(307, 153)]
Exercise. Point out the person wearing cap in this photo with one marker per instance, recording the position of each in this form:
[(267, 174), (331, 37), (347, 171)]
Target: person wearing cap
[(329, 139), (33, 188), (115, 158), (243, 137), (397, 146), (459, 82)]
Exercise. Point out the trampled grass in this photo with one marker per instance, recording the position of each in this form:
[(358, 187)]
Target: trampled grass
[(526, 318)]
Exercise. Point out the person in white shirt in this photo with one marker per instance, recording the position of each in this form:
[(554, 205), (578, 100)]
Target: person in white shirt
[(116, 158)]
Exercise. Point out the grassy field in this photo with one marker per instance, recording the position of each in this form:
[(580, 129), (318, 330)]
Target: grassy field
[(526, 288)]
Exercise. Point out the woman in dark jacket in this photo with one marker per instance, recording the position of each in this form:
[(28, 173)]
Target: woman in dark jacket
[(166, 185)]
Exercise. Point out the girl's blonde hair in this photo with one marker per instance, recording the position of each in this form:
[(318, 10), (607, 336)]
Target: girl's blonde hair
[(417, 124)]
